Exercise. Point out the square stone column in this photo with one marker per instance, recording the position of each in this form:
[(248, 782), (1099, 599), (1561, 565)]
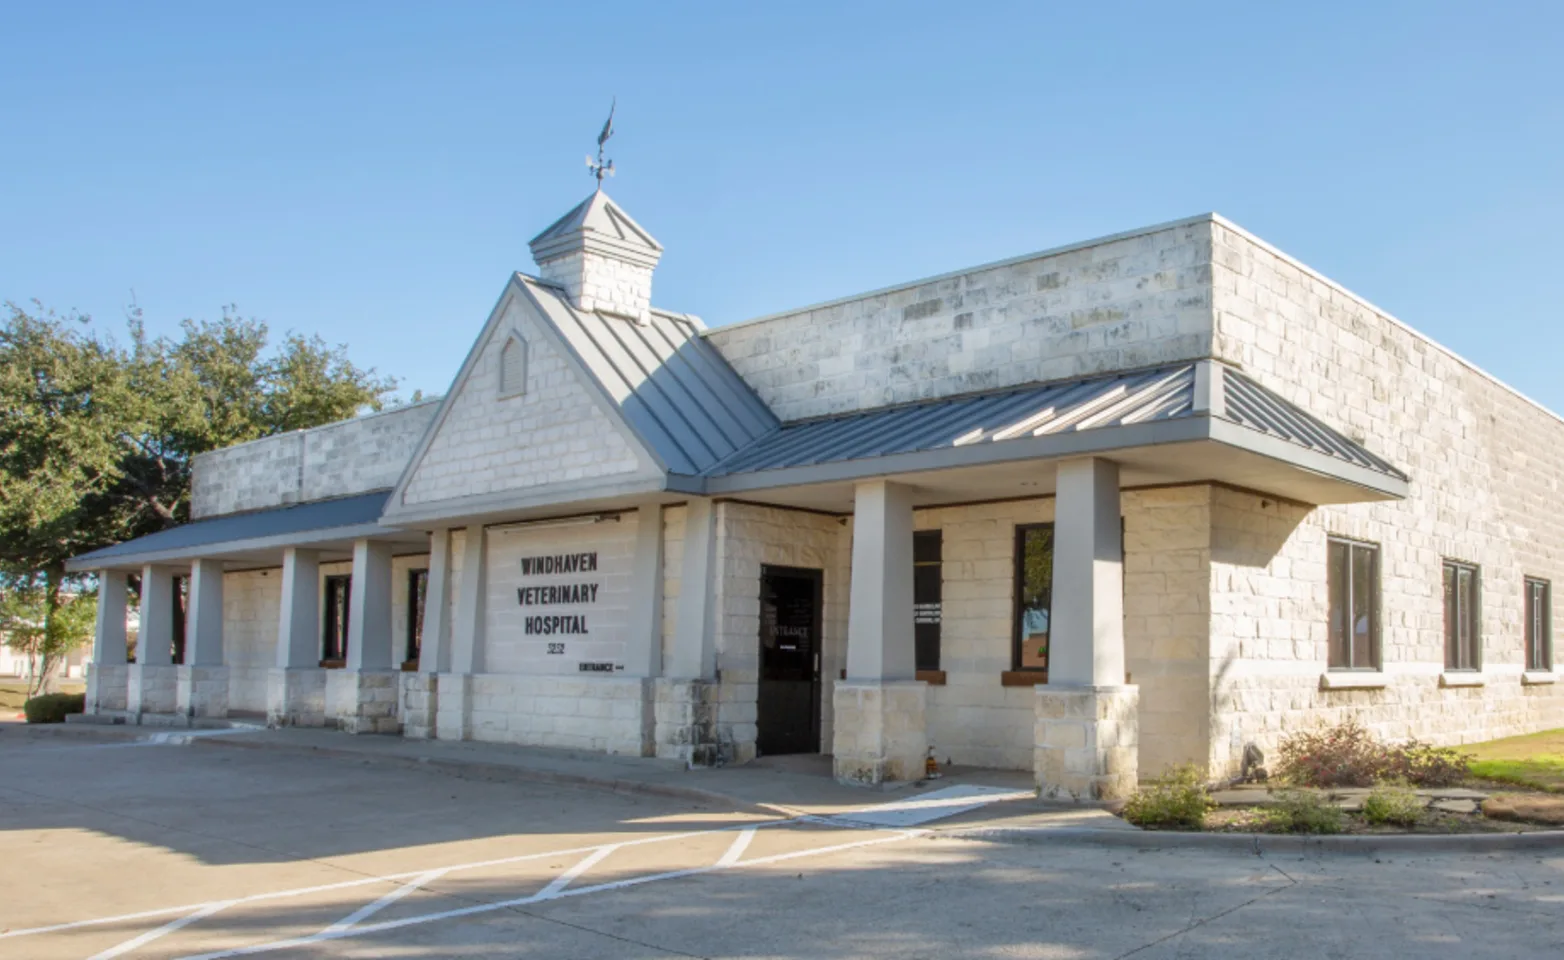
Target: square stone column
[(453, 705), (108, 680), (880, 731), (420, 697), (684, 709), (296, 686), (1086, 735), (154, 681), (363, 697), (202, 681)]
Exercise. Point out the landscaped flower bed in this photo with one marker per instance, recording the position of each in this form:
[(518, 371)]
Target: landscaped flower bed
[(1343, 780)]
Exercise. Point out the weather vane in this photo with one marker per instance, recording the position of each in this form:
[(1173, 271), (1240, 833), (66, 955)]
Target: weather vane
[(598, 167)]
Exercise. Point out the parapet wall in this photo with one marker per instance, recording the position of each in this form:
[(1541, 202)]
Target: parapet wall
[(336, 460)]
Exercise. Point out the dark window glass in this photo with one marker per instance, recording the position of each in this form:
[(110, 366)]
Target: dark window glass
[(417, 589), (334, 639), (1034, 560), (1463, 644), (926, 592), (1539, 625), (1353, 580), (181, 600)]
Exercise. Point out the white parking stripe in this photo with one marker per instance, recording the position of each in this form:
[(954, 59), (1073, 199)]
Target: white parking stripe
[(737, 848), (369, 910), (164, 930), (563, 880)]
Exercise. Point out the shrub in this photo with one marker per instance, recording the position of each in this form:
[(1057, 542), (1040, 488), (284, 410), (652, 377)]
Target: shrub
[(1347, 755), (1299, 811), (52, 707), (1179, 799), (1393, 803)]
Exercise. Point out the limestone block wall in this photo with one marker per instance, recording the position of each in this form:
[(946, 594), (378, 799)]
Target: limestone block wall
[(252, 603), (974, 719), (339, 459), (749, 536), (1132, 301), (1485, 463), (673, 567), (595, 282), (601, 714), (553, 432)]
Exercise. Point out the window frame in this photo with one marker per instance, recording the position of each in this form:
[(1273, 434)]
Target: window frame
[(1473, 614), (937, 537), (331, 608), (1374, 662), (1539, 635), (414, 641), (1018, 575)]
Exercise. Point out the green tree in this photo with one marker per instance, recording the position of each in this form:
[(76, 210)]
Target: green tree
[(96, 439), (27, 627)]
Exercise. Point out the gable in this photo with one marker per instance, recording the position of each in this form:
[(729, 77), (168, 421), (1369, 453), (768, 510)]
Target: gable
[(494, 438)]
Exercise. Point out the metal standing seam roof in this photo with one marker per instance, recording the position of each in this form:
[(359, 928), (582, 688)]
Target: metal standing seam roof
[(673, 388), (1165, 393), (319, 516)]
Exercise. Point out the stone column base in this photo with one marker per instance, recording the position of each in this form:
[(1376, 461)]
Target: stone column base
[(453, 706), (295, 697), (879, 731), (107, 686), (362, 701), (152, 688), (419, 704), (1086, 742), (684, 721), (201, 691)]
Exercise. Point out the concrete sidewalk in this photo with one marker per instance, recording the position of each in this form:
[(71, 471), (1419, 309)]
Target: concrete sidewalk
[(791, 785)]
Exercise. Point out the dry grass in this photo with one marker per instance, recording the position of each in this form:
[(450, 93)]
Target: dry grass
[(1526, 808)]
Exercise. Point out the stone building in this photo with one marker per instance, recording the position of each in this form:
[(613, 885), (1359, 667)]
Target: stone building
[(1093, 511)]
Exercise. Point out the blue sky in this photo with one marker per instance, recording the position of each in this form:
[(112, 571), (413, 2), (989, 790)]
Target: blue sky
[(372, 172)]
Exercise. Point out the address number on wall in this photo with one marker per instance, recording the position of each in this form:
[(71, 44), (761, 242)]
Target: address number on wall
[(556, 648)]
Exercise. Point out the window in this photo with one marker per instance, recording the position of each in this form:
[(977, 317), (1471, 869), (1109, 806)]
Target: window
[(334, 638), (181, 597), (417, 589), (1034, 560), (1353, 578), (926, 586), (1539, 625), (1463, 644), (513, 367)]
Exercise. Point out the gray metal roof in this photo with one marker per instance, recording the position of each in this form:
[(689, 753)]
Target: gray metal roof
[(304, 518), (1165, 393), (673, 388), (1251, 405)]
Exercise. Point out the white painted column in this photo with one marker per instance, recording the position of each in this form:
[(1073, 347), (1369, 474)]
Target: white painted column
[(1086, 632), (298, 621), (644, 645), (694, 653), (434, 655), (879, 619), (1086, 729), (471, 603), (108, 637), (202, 680), (108, 678), (204, 620), (453, 714), (369, 607), (153, 684), (879, 726), (155, 643), (296, 686)]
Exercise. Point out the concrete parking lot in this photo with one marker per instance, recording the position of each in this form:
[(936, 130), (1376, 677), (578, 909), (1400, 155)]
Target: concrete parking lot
[(111, 847)]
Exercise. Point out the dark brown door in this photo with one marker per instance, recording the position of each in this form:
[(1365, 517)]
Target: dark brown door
[(789, 696)]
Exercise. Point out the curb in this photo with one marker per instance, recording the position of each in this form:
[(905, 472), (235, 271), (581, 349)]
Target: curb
[(1262, 844), (502, 772)]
